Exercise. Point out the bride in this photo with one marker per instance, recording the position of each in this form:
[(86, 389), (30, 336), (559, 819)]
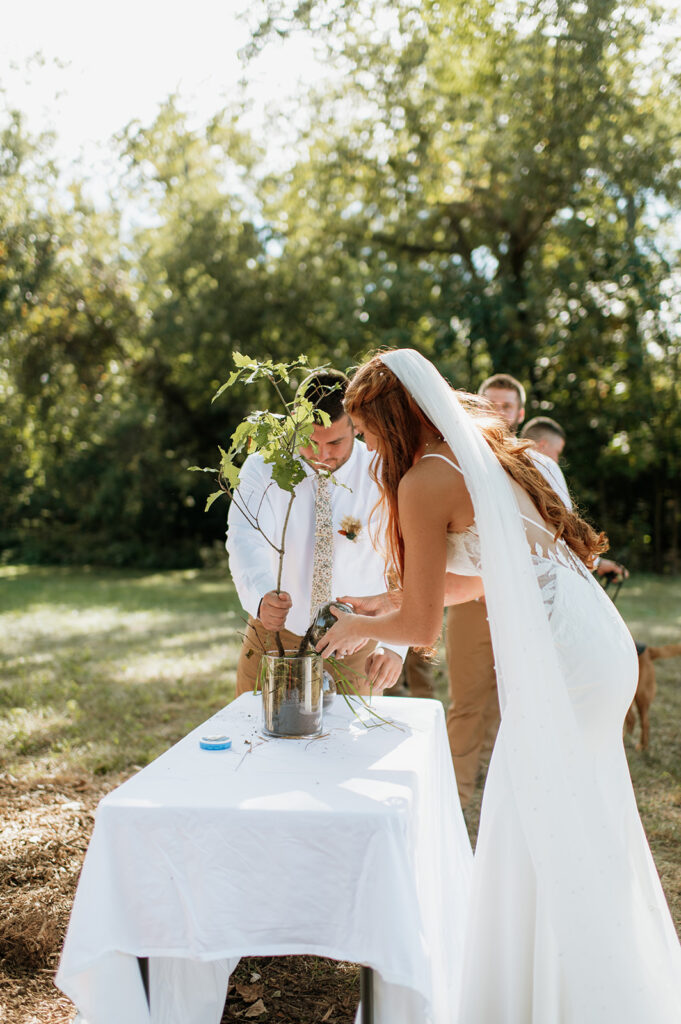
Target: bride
[(568, 921)]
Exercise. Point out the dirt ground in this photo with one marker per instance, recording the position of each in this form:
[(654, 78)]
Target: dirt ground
[(46, 826)]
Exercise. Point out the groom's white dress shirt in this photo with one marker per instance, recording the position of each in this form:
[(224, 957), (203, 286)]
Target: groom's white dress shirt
[(358, 568)]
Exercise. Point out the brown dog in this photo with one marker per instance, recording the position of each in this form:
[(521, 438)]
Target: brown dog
[(646, 687)]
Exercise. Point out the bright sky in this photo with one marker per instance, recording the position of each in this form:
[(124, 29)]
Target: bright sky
[(122, 60)]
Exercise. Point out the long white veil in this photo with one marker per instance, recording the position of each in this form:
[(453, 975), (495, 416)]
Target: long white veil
[(578, 856)]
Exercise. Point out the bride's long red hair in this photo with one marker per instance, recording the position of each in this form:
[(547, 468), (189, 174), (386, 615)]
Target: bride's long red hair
[(387, 409)]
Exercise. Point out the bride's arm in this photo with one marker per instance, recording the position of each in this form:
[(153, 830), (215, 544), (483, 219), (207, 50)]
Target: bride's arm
[(374, 604), (425, 499), (459, 589)]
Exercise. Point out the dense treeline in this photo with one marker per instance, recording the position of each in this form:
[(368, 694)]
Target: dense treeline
[(496, 185)]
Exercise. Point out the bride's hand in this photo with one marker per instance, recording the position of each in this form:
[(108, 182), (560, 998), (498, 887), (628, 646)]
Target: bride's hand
[(375, 604), (343, 638)]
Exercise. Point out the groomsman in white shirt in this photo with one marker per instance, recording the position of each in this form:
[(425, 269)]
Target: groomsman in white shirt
[(548, 438), (356, 566)]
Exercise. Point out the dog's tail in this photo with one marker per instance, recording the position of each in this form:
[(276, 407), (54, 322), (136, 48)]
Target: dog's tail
[(668, 651)]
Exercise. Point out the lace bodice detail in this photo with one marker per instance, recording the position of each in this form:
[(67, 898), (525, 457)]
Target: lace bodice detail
[(463, 552), (463, 557), (463, 548)]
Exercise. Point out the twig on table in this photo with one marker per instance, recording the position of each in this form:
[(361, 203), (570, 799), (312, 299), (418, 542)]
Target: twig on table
[(314, 739), (251, 747)]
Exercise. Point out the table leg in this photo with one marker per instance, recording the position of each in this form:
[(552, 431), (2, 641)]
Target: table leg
[(366, 994), (366, 988), (143, 962)]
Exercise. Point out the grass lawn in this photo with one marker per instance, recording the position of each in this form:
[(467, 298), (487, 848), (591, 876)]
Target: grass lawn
[(103, 670)]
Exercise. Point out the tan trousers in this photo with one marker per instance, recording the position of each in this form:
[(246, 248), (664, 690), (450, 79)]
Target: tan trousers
[(417, 673), (258, 639), (473, 714)]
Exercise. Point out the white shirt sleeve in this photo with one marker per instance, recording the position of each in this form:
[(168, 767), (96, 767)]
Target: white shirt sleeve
[(396, 649), (553, 475), (250, 555)]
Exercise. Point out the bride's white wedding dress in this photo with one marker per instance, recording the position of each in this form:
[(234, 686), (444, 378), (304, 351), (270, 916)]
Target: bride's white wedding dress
[(510, 937), (568, 920)]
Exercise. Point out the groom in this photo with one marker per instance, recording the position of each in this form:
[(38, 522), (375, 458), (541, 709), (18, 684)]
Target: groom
[(355, 565)]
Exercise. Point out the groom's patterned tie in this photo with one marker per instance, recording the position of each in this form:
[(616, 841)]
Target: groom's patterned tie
[(322, 561)]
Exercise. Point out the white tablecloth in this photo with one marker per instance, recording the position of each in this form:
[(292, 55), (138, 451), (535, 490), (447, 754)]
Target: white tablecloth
[(350, 846)]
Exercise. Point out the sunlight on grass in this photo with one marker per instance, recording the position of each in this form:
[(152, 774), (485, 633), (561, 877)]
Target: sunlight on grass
[(8, 572), (651, 606), (104, 670), (60, 624), (170, 661), (30, 730)]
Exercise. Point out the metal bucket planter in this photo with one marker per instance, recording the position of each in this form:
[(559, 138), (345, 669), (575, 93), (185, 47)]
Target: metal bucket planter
[(292, 699)]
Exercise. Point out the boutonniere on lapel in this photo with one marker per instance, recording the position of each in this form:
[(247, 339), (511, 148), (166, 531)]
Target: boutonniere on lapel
[(350, 528)]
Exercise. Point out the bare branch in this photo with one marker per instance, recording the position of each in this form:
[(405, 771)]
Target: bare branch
[(251, 518)]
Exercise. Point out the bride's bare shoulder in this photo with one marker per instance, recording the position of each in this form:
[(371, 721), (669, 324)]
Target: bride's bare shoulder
[(431, 474), (438, 486)]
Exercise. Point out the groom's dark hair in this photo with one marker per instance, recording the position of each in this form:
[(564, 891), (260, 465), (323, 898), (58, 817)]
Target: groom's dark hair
[(325, 389)]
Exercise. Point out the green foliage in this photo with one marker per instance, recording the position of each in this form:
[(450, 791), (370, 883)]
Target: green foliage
[(512, 172), (108, 345), (276, 437), (495, 185), (137, 660)]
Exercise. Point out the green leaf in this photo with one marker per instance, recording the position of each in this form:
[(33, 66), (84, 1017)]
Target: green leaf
[(286, 473), (242, 436), (211, 498), (229, 472), (241, 360), (222, 388)]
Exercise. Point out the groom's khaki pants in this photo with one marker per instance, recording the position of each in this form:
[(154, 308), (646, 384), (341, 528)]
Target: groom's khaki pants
[(473, 714), (259, 639)]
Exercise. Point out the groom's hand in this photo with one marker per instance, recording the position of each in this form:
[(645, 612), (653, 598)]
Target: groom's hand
[(274, 608), (383, 668)]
